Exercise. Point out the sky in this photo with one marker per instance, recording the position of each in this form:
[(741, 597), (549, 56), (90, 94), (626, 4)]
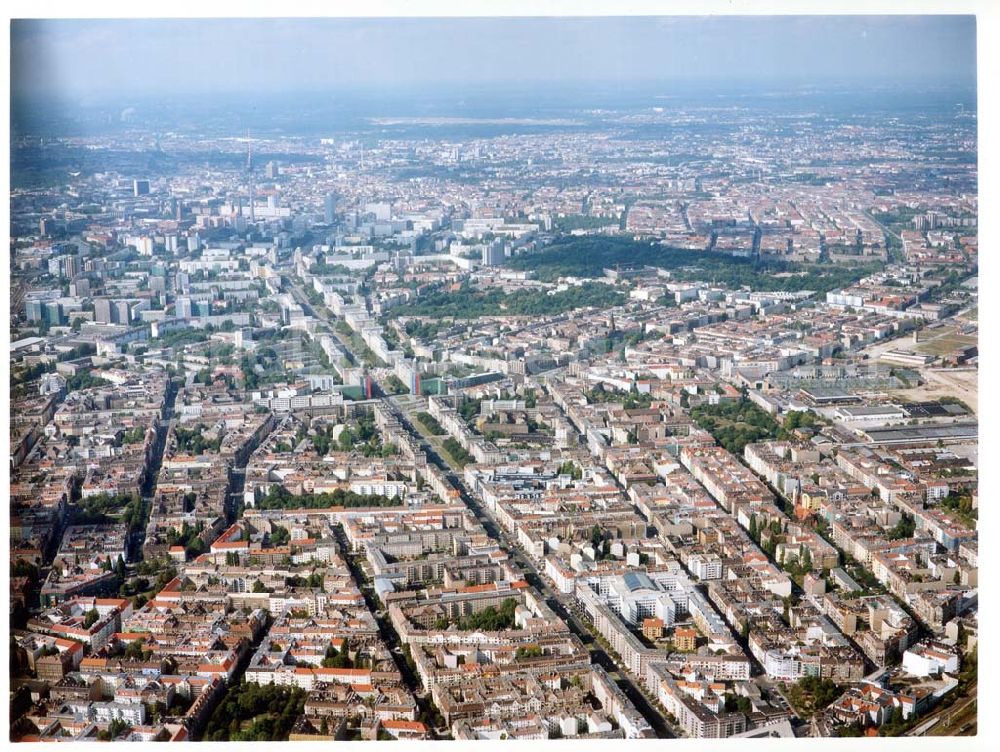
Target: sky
[(72, 59)]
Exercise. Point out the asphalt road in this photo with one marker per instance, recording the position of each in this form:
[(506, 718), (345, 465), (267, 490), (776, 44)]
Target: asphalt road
[(148, 489)]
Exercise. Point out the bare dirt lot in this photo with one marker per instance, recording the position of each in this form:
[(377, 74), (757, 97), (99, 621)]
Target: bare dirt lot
[(946, 382), (945, 344)]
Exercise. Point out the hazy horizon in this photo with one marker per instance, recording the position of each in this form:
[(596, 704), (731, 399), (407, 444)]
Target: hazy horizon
[(101, 59)]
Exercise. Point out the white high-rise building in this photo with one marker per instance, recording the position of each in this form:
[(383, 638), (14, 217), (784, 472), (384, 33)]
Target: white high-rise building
[(329, 208), (493, 254), (382, 211)]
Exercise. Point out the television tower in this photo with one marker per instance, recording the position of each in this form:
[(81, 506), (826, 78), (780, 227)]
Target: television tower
[(250, 175)]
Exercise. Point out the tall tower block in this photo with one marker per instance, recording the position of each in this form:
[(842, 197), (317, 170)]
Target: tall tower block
[(250, 176)]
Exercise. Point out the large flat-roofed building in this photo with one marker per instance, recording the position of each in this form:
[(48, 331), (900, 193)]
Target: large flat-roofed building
[(819, 396), (916, 434), (872, 413), (906, 358)]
